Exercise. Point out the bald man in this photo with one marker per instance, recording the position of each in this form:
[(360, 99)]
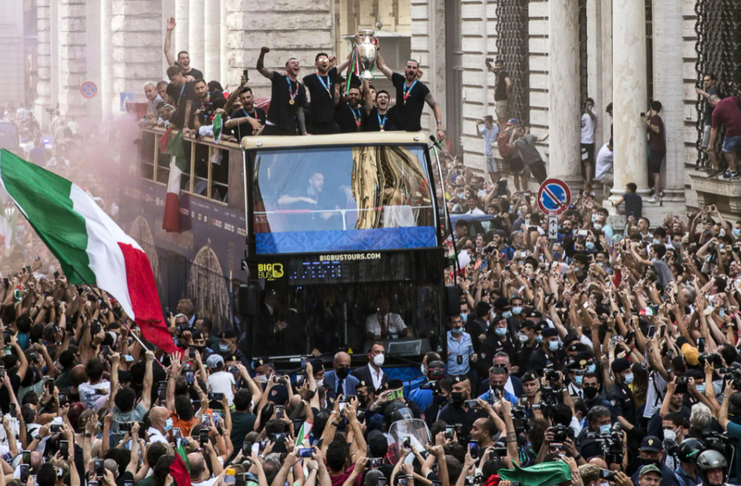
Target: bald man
[(200, 475), (339, 381), (160, 424)]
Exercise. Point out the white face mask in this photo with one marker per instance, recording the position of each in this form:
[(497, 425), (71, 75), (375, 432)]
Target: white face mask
[(378, 359), (670, 434), (261, 378), (320, 382)]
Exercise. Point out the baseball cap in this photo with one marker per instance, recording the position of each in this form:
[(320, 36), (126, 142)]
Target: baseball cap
[(214, 360), (651, 444), (512, 121), (649, 469), (620, 364)]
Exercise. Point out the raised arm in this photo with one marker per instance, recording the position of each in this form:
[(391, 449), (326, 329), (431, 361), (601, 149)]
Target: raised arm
[(382, 65), (168, 41), (438, 115), (261, 63), (368, 97), (146, 400)]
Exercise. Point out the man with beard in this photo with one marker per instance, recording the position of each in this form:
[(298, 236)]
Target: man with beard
[(249, 119), (380, 118), (458, 412), (339, 381), (349, 113), (210, 102), (183, 60), (411, 96), (287, 99), (321, 86)]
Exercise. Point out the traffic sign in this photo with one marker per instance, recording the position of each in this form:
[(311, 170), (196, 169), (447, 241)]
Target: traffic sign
[(88, 89), (552, 227), (124, 98), (554, 197)]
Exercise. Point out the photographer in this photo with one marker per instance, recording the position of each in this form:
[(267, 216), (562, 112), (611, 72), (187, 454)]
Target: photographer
[(729, 409)]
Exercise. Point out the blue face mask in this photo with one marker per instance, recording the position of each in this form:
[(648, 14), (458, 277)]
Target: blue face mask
[(223, 348), (507, 314), (700, 388), (456, 330), (590, 245), (656, 241), (629, 379), (553, 345), (736, 232), (605, 429), (539, 338), (578, 379), (500, 331), (517, 310), (464, 317), (556, 255), (168, 425)]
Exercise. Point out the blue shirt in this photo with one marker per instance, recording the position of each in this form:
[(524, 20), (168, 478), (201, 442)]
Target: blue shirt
[(486, 396), (463, 348), (684, 478), (421, 397), (734, 432), (490, 136)]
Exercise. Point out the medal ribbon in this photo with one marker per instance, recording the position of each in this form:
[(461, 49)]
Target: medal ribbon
[(327, 85), (291, 93), (358, 116), (407, 92), (381, 123)]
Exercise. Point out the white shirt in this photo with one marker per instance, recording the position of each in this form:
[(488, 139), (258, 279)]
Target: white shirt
[(654, 400), (208, 482), (475, 211), (509, 387), (89, 394), (377, 377), (604, 162), (221, 382), (394, 324), (156, 436), (587, 128)]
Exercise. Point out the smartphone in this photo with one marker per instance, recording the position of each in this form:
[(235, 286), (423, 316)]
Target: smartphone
[(701, 344), (472, 403), (129, 483), (192, 353), (190, 377), (6, 282), (651, 331), (449, 432), (375, 462), (177, 433), (99, 468), (203, 438), (26, 455), (607, 474), (305, 452), (396, 394), (25, 472), (279, 412), (582, 233), (246, 74), (162, 392), (206, 419), (473, 448)]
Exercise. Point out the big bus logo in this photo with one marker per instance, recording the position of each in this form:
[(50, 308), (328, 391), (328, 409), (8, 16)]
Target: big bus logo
[(270, 271)]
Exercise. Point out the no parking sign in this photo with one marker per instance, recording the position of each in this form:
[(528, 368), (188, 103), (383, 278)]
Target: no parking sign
[(88, 89)]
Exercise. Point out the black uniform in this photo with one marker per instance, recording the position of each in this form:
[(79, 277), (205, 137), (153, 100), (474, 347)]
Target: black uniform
[(540, 360), (349, 119), (375, 120), (622, 399), (282, 113), (409, 108), (475, 328), (245, 129), (321, 90), (491, 347), (456, 414)]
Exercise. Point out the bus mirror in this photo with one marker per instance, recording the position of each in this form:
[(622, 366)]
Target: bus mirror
[(452, 300), (247, 298)]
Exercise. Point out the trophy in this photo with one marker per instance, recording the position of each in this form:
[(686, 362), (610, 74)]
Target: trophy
[(366, 53)]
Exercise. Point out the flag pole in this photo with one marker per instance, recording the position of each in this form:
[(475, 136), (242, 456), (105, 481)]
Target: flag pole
[(118, 316)]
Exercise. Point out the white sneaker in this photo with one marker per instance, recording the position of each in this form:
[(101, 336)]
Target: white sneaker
[(653, 198)]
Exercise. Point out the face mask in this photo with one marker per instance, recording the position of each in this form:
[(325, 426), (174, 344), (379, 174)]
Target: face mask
[(457, 397), (519, 212), (590, 392), (553, 345), (262, 378), (362, 400), (605, 429), (223, 348), (507, 314), (556, 255), (700, 388), (343, 372), (578, 379), (320, 382), (456, 330), (539, 338), (517, 310), (527, 222), (168, 425), (598, 226), (628, 379), (656, 241), (670, 434), (736, 232), (378, 359), (594, 217), (500, 331), (464, 317), (590, 245), (647, 462), (591, 368), (523, 338)]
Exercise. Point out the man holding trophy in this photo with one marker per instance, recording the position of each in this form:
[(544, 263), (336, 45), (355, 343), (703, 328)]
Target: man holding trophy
[(411, 95)]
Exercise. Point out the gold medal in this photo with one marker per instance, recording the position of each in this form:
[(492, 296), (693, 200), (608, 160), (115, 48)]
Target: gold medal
[(290, 102)]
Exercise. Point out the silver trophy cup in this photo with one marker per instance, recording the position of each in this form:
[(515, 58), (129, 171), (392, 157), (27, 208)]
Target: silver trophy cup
[(367, 54)]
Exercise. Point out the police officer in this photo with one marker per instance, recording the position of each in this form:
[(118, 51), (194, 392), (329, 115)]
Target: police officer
[(550, 354), (621, 397)]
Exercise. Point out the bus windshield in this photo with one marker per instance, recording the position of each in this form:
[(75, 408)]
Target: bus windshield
[(342, 199)]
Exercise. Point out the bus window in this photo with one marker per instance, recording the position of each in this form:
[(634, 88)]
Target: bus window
[(342, 199)]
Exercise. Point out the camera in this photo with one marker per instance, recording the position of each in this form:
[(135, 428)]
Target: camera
[(714, 359), (732, 374), (682, 382), (560, 433), (305, 452), (125, 426), (718, 442), (520, 419), (449, 432), (611, 445)]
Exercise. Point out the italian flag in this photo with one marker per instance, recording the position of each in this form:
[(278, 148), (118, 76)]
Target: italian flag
[(178, 165), (91, 248)]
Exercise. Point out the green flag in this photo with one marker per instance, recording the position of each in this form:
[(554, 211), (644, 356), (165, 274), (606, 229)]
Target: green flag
[(217, 127)]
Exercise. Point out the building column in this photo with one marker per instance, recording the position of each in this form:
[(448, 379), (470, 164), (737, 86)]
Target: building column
[(182, 12), (630, 95), (196, 41), (563, 89), (595, 65), (43, 85), (605, 72), (224, 48), (668, 89), (106, 57), (72, 58), (137, 46), (212, 40)]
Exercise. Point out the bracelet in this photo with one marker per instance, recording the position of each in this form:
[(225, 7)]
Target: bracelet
[(577, 457), (336, 424)]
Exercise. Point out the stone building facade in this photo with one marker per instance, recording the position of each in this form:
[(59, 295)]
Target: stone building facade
[(626, 52)]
